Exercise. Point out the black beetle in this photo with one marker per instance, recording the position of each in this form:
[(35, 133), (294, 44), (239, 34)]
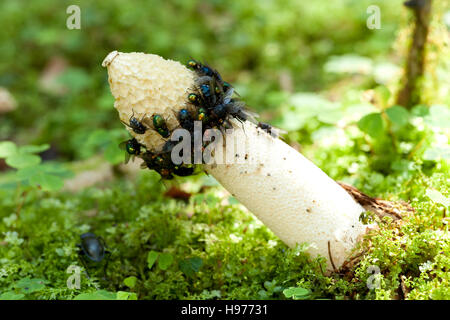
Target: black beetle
[(94, 249)]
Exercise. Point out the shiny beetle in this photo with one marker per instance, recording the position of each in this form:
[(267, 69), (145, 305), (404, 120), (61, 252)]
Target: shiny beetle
[(92, 248)]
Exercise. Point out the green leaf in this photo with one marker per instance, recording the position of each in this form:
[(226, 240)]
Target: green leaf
[(47, 182), (123, 295), (130, 282), (438, 197), (28, 285), (190, 266), (34, 149), (398, 115), (7, 148), (48, 176), (56, 169), (11, 295), (212, 200), (199, 198), (372, 124), (270, 285), (22, 160), (165, 260), (151, 258), (97, 295), (420, 110), (297, 293), (263, 294)]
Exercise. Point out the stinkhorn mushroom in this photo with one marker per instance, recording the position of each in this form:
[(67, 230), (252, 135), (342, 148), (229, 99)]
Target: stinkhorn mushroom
[(287, 192)]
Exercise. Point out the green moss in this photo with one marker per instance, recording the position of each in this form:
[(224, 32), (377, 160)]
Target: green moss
[(236, 256), (211, 247)]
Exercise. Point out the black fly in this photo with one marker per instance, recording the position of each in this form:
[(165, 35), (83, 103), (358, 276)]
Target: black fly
[(136, 125)]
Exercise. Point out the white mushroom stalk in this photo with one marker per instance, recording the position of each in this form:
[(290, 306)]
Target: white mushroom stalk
[(287, 192)]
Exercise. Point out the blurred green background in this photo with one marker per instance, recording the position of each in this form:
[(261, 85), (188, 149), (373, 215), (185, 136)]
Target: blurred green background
[(312, 68), (265, 48)]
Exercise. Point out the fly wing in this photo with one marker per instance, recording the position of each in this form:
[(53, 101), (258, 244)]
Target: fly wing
[(276, 132), (273, 131), (123, 145), (228, 95), (147, 121), (239, 110)]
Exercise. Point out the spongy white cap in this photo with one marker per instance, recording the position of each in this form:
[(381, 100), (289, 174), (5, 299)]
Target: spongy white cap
[(146, 84)]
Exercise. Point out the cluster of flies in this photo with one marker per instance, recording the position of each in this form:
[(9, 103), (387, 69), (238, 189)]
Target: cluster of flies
[(211, 101)]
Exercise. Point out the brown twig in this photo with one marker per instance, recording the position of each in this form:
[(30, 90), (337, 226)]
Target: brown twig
[(380, 207), (403, 288), (353, 260), (331, 258), (22, 199)]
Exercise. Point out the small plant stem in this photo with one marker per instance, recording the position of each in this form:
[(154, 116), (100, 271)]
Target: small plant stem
[(21, 199)]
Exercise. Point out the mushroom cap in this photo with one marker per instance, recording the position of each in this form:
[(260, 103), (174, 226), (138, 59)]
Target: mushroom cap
[(146, 84)]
